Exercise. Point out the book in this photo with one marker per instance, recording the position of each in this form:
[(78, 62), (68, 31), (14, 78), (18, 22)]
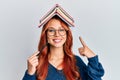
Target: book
[(60, 12)]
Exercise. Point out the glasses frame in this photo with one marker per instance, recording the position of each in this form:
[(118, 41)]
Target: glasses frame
[(56, 30)]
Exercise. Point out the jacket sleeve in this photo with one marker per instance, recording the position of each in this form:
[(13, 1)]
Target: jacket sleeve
[(29, 77), (92, 71)]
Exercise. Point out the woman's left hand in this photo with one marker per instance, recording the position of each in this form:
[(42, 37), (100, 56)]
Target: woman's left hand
[(85, 51)]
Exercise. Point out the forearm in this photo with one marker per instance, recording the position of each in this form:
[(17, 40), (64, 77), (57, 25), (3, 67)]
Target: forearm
[(95, 69), (29, 77)]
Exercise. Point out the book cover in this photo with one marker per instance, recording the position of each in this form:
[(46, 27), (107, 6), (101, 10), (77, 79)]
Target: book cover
[(59, 11)]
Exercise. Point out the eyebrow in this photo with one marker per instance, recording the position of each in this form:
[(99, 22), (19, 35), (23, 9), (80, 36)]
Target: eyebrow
[(54, 28)]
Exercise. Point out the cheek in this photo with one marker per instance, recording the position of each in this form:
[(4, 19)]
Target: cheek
[(48, 39), (64, 38)]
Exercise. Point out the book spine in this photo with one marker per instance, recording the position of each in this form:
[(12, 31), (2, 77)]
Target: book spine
[(65, 13), (49, 12), (46, 20)]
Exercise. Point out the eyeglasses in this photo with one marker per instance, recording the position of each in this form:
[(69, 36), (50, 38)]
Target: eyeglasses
[(52, 32)]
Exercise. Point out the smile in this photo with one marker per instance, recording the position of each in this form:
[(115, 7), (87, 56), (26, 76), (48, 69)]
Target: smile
[(57, 40)]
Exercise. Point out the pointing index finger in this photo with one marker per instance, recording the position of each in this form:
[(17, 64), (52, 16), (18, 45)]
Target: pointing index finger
[(36, 53), (82, 42)]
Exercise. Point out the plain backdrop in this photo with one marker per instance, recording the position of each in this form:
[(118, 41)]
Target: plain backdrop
[(96, 21)]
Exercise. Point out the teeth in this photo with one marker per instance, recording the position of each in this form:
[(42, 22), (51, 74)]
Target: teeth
[(56, 40)]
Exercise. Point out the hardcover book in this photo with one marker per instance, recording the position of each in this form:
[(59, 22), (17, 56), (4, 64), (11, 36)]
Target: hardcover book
[(60, 12)]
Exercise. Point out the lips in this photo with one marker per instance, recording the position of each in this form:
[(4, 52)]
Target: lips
[(57, 40)]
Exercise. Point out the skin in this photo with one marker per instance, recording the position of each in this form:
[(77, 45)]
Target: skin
[(57, 41), (85, 50), (56, 54)]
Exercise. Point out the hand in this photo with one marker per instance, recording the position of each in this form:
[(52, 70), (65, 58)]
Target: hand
[(32, 63), (85, 51)]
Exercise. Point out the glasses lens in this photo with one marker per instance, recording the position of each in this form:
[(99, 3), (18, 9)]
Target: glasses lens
[(62, 32), (52, 32)]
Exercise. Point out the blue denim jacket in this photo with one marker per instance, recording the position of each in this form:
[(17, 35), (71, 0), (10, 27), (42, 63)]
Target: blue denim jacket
[(92, 71)]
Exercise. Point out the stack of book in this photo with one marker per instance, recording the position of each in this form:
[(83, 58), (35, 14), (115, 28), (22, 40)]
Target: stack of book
[(59, 11)]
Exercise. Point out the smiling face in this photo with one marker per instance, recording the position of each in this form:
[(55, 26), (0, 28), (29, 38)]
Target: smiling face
[(56, 34)]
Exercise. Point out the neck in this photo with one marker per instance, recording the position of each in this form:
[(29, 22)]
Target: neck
[(56, 53)]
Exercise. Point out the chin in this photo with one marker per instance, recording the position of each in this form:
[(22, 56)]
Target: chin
[(58, 46)]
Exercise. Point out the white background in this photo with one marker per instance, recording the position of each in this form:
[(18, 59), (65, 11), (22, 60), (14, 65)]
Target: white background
[(97, 21)]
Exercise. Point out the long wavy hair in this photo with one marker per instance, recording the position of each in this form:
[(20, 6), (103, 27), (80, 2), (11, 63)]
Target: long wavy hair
[(69, 64)]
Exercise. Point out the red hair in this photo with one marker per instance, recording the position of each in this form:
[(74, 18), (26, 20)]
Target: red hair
[(71, 72)]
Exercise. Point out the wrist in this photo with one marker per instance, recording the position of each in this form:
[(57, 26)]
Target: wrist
[(90, 55), (31, 71)]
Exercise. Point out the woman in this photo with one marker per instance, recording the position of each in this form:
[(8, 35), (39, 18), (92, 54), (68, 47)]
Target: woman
[(56, 60)]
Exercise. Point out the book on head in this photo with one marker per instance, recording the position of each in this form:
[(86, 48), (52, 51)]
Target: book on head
[(60, 12)]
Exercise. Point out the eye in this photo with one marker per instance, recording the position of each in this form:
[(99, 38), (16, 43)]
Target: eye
[(51, 30)]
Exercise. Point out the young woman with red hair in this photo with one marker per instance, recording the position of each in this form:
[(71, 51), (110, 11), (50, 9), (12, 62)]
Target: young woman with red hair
[(56, 60)]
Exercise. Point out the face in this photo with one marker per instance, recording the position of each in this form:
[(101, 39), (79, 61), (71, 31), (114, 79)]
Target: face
[(56, 34)]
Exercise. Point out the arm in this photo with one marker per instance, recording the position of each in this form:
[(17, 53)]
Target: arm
[(94, 69), (28, 76), (32, 63)]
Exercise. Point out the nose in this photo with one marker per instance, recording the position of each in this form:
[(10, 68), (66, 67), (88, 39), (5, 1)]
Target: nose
[(56, 33)]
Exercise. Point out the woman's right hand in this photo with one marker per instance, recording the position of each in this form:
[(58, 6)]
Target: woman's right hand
[(32, 63)]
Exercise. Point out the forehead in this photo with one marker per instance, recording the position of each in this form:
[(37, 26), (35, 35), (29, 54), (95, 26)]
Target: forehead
[(54, 23)]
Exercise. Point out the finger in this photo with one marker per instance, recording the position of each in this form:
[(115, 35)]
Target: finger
[(36, 53), (32, 61), (81, 51), (82, 54), (82, 42), (35, 61), (33, 58)]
